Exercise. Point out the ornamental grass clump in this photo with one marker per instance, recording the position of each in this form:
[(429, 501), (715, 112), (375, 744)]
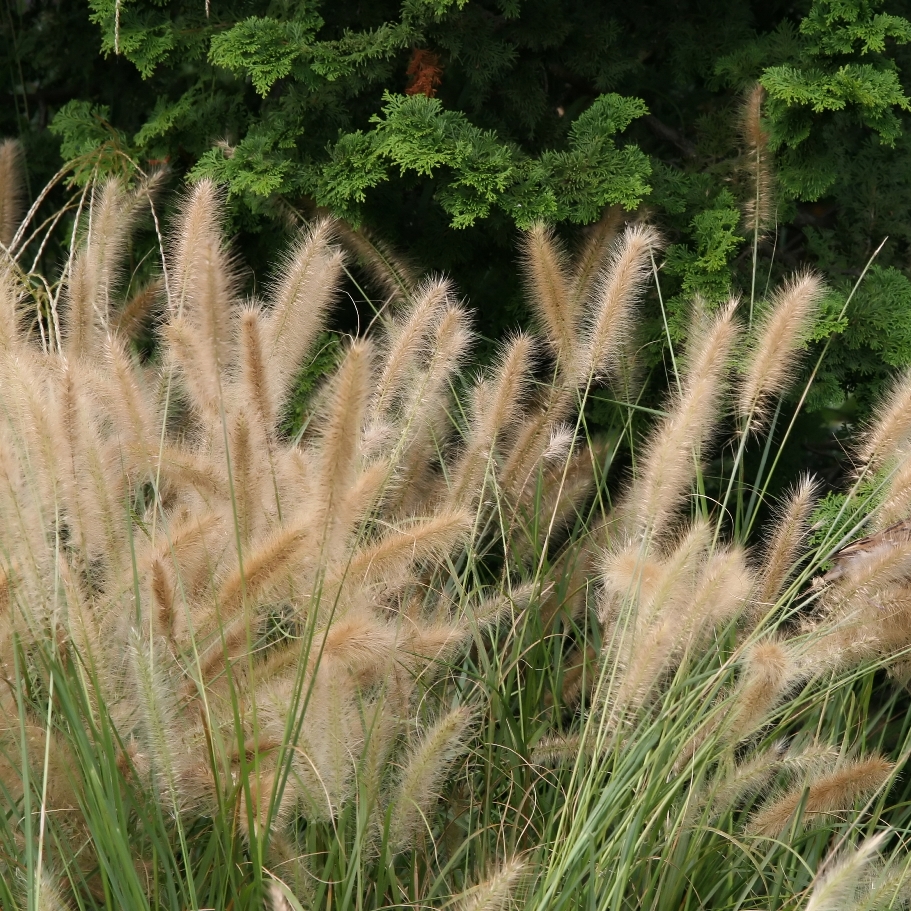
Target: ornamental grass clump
[(420, 649)]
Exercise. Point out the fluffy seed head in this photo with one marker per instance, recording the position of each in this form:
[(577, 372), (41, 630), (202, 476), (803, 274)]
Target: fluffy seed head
[(891, 427), (11, 187), (839, 878), (429, 762), (824, 795), (780, 334), (300, 299), (671, 457), (629, 267), (783, 549), (497, 891), (759, 207), (546, 271)]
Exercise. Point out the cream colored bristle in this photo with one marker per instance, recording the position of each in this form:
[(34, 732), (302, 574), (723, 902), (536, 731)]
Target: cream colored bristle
[(301, 299), (891, 427), (779, 336), (546, 270), (629, 267), (429, 762), (782, 551), (662, 480)]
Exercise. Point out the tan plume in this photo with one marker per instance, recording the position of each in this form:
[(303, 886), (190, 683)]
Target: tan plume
[(757, 163), (629, 267), (11, 189), (499, 890), (782, 551), (663, 479), (301, 298), (430, 760), (823, 795), (891, 426), (594, 254), (546, 270), (779, 336)]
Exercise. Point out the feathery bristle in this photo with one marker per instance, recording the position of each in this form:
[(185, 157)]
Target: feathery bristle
[(499, 890), (722, 591), (891, 427), (301, 298), (424, 422), (158, 712), (135, 313), (389, 270), (131, 403), (748, 778), (92, 488), (11, 295), (824, 795), (871, 571), (773, 362), (96, 266), (770, 669), (430, 760), (426, 647), (163, 594), (566, 488), (509, 384), (629, 268), (662, 482), (261, 564), (595, 253), (200, 379), (205, 291), (782, 550), (406, 338), (254, 376), (341, 431), (361, 643), (758, 209), (657, 615), (192, 468), (546, 272), (11, 189), (558, 749), (896, 502), (246, 479), (839, 878), (752, 775), (496, 408), (48, 894), (531, 441), (276, 900), (419, 540)]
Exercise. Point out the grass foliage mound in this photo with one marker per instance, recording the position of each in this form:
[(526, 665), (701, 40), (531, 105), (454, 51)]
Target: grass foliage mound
[(436, 647)]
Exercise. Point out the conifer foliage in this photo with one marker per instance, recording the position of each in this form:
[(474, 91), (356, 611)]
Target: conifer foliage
[(412, 118)]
